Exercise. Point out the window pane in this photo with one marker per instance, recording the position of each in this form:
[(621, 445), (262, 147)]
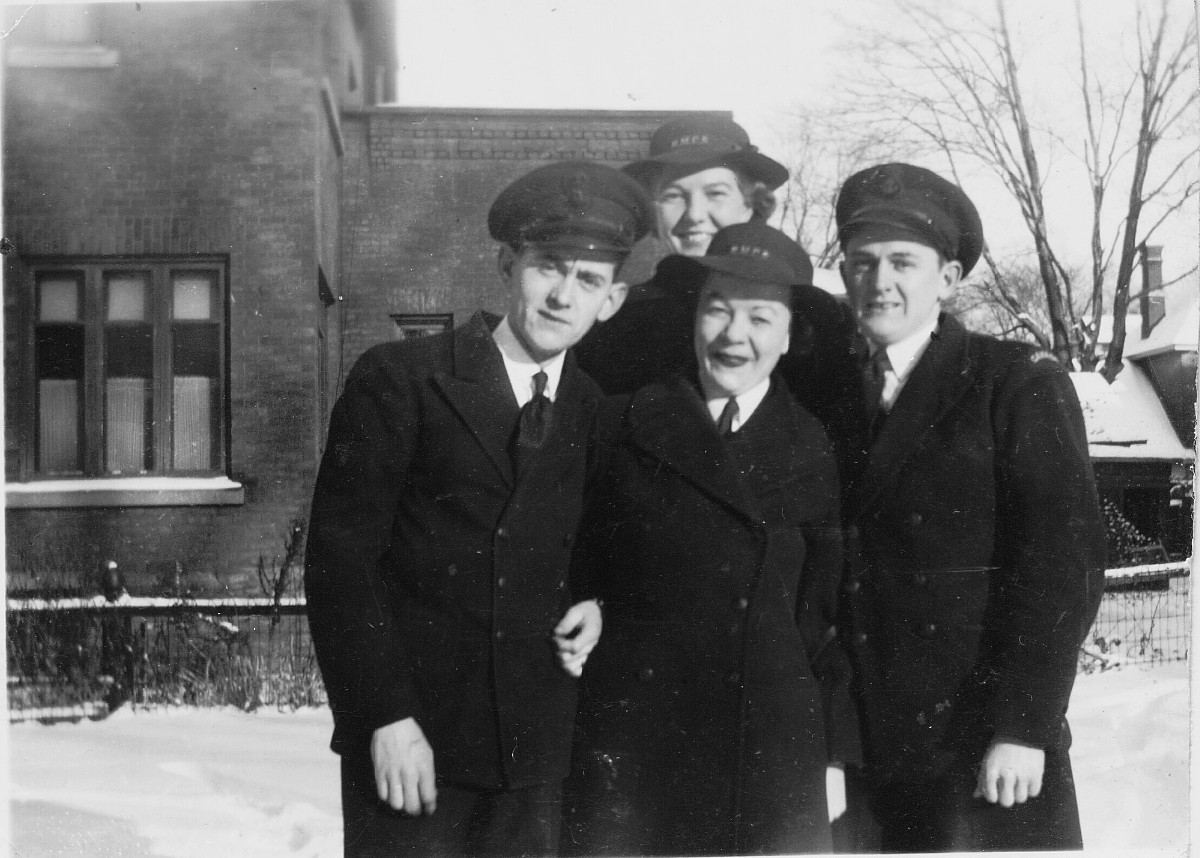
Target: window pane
[(58, 351), (58, 426), (129, 351), (193, 295), (127, 424), (126, 297), (195, 350), (193, 423), (58, 297)]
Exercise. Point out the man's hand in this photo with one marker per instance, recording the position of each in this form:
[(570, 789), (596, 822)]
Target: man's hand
[(404, 767), (1011, 773), (835, 791), (576, 635)]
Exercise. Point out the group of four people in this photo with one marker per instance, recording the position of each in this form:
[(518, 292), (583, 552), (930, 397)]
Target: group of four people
[(745, 572)]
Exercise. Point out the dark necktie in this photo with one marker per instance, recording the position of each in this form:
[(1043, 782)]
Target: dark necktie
[(725, 421), (534, 422), (874, 378)]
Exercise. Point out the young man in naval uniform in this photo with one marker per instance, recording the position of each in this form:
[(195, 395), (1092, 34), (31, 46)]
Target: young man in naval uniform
[(975, 542), (442, 521)]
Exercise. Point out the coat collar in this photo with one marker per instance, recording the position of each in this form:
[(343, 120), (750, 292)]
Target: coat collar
[(478, 388), (669, 421), (938, 381)]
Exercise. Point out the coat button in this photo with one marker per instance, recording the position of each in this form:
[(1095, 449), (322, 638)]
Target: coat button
[(501, 581), (920, 579), (859, 639), (915, 519), (741, 603), (733, 679), (853, 586), (502, 532), (562, 585), (646, 674), (927, 630), (499, 634), (452, 570), (725, 568)]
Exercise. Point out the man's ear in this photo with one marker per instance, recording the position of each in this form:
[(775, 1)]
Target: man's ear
[(505, 259), (616, 297), (951, 274)]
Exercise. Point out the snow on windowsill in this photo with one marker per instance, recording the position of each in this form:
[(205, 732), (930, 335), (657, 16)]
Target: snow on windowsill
[(125, 491)]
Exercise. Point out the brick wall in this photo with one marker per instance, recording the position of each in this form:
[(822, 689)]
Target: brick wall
[(208, 137)]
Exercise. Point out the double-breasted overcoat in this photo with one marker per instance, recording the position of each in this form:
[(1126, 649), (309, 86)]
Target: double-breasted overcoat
[(703, 720), (976, 555), (434, 573)]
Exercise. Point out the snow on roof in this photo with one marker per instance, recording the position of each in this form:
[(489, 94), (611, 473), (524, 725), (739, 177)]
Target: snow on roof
[(1177, 332), (1125, 420)]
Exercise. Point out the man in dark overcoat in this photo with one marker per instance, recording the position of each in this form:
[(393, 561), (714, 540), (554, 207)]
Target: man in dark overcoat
[(442, 524), (704, 174), (710, 709), (976, 549)]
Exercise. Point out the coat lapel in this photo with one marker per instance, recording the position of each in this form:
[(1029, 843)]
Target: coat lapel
[(941, 377), (479, 390), (670, 422)]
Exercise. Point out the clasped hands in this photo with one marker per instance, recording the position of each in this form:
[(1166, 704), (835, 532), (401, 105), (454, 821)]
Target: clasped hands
[(402, 757)]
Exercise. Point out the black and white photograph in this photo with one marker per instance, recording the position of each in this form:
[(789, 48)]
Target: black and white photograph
[(598, 427)]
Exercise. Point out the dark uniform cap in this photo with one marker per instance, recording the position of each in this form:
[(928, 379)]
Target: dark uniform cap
[(576, 205), (750, 251), (914, 201), (704, 141)]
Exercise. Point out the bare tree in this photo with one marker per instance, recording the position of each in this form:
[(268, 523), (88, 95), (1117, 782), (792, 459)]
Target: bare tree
[(949, 81)]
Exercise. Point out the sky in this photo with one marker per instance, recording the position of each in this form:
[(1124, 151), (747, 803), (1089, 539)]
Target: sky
[(758, 58)]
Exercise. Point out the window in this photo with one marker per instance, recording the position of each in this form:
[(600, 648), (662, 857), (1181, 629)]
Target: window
[(412, 325), (128, 369)]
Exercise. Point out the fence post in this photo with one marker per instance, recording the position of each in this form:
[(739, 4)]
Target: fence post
[(116, 635)]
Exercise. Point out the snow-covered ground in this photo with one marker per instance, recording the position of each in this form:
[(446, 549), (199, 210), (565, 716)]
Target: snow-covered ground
[(224, 783)]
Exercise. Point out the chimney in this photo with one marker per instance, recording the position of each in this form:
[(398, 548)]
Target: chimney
[(1153, 302)]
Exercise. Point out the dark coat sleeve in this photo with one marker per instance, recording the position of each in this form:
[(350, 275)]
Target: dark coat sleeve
[(372, 437), (1050, 544)]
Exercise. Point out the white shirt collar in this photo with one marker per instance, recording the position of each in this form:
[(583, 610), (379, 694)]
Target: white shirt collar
[(521, 368), (903, 356), (747, 403)]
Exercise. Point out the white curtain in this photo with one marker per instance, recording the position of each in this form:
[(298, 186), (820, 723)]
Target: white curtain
[(193, 423), (125, 427), (58, 425)]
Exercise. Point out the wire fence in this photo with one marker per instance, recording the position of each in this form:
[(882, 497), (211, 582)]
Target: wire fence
[(74, 658), (82, 658)]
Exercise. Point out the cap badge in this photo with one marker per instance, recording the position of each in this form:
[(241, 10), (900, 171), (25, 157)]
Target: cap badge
[(575, 188), (884, 184), (690, 140), (749, 250)]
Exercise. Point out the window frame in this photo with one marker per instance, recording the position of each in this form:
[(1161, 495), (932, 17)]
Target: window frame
[(96, 271)]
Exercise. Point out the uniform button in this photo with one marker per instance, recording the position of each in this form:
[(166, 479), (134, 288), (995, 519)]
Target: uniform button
[(725, 568), (502, 532), (501, 581), (853, 586), (733, 679), (500, 634), (920, 579), (859, 639), (646, 674), (927, 630), (562, 585), (915, 519), (452, 570), (741, 603)]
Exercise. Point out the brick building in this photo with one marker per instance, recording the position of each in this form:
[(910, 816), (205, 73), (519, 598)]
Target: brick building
[(211, 216)]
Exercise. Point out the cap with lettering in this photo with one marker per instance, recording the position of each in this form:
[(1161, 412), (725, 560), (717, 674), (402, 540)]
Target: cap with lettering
[(702, 141), (913, 203), (575, 205), (746, 251)]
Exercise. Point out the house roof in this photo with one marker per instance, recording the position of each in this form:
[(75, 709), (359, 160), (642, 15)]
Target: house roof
[(1126, 420), (1177, 332)]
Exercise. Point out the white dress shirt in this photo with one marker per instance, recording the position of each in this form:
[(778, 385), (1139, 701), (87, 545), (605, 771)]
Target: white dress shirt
[(903, 357), (521, 368), (746, 402)]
